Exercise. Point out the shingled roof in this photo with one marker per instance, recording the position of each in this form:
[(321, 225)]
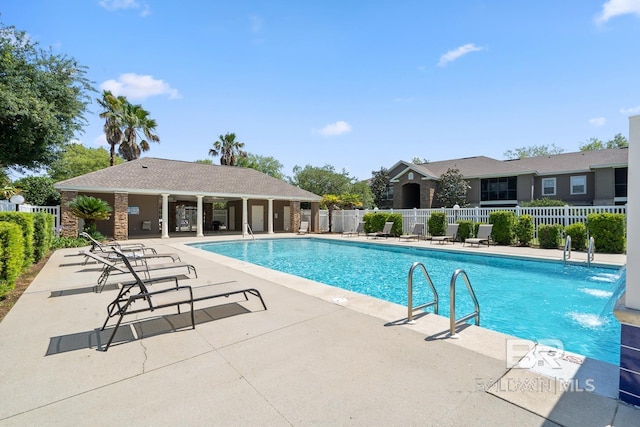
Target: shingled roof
[(156, 176)]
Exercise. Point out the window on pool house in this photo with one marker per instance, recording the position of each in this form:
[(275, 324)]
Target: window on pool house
[(548, 186), (579, 184), (505, 188)]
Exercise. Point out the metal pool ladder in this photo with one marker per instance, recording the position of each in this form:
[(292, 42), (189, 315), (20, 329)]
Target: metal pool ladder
[(452, 308), (433, 302), (591, 251), (566, 254)]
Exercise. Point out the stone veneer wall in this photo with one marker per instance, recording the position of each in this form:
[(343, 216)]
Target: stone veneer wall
[(295, 215), (68, 221), (121, 216)]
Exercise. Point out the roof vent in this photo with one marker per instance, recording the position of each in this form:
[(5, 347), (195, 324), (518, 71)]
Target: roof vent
[(144, 167)]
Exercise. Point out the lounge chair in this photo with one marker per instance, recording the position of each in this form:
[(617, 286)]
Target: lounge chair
[(359, 229), (138, 291), (304, 227), (106, 247), (484, 235), (449, 235), (109, 266), (386, 231), (416, 233)]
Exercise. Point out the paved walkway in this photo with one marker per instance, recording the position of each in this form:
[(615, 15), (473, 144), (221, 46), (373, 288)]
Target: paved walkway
[(318, 355)]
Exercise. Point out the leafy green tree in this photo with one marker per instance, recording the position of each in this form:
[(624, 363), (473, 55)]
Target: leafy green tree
[(332, 202), (380, 188), (124, 125), (618, 141), (321, 180), (228, 149), (264, 164), (204, 161), (76, 160), (419, 161), (362, 191), (91, 209), (44, 98), (452, 189), (38, 190), (533, 151)]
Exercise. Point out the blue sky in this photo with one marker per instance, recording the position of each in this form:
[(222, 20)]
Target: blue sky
[(354, 84)]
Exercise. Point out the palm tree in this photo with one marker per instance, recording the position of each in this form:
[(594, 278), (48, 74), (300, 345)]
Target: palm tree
[(91, 209), (137, 124), (123, 123), (228, 149), (113, 109)]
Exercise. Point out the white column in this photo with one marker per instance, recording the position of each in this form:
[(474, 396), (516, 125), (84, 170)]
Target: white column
[(270, 216), (245, 215), (199, 215), (165, 216), (633, 209)]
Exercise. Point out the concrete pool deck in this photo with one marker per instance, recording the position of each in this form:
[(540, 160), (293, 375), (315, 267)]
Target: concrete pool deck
[(317, 355)]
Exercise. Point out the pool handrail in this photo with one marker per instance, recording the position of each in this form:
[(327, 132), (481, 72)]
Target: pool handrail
[(434, 302), (452, 301), (566, 254), (591, 251)]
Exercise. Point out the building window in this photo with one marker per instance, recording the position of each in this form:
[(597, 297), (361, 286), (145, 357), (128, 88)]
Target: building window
[(621, 181), (410, 176), (579, 184), (548, 186), (499, 189)]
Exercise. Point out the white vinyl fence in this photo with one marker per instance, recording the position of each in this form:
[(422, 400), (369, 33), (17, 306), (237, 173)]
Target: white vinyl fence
[(6, 206), (347, 220)]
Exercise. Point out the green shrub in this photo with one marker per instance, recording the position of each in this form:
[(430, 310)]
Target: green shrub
[(550, 235), (524, 229), (465, 229), (437, 223), (11, 255), (42, 234), (578, 234), (23, 220), (374, 221), (607, 230), (503, 226), (68, 242)]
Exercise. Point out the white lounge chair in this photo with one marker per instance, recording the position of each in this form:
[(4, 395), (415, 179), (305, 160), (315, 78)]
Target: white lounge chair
[(449, 235), (304, 227), (484, 235)]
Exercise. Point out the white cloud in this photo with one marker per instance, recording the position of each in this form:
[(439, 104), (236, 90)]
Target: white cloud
[(112, 5), (256, 23), (613, 8), (337, 128), (136, 86), (631, 111), (452, 55), (597, 121)]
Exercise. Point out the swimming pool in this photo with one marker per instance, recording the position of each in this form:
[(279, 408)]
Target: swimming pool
[(525, 298)]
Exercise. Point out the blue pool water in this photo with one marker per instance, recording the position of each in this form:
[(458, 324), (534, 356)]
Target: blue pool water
[(528, 299)]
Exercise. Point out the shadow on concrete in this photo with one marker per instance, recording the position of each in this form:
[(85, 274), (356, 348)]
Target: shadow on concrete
[(135, 330)]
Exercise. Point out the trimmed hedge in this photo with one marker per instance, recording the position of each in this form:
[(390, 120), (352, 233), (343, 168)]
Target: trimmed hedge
[(25, 221), (503, 227), (465, 229), (550, 236), (607, 230), (11, 255), (578, 234), (437, 223), (374, 222), (524, 229), (43, 234)]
